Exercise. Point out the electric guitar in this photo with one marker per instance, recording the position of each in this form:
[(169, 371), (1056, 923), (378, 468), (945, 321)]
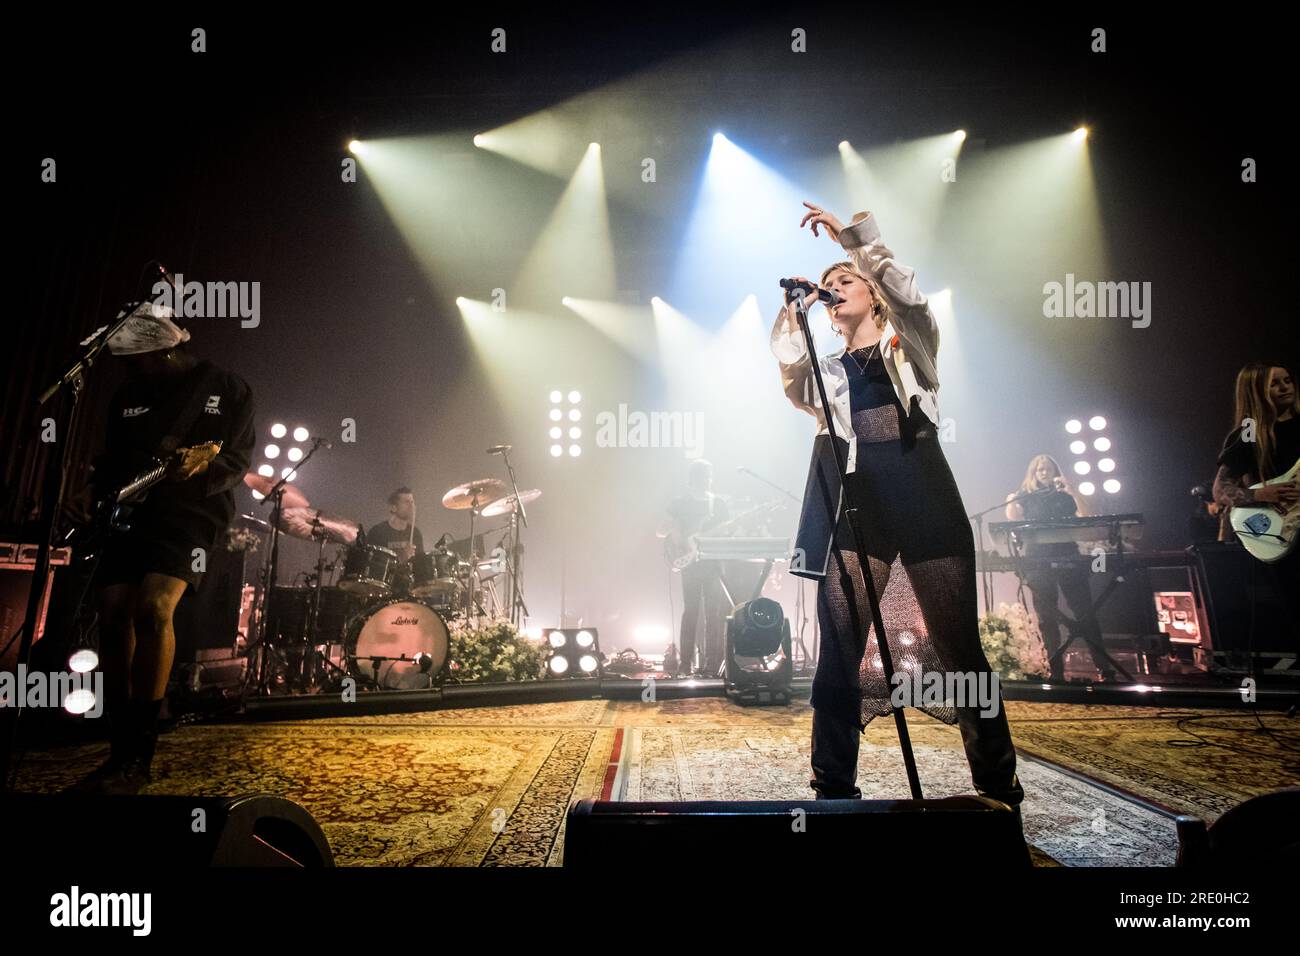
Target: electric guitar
[(1267, 531), (111, 511)]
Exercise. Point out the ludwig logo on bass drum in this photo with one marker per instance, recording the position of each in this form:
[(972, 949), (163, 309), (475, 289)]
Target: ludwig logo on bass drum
[(405, 620)]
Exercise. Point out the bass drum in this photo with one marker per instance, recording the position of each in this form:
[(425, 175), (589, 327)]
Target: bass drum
[(397, 645)]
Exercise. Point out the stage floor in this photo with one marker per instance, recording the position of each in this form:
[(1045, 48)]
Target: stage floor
[(490, 786)]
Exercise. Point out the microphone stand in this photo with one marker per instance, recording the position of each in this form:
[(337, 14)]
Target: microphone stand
[(72, 383), (986, 576), (855, 529)]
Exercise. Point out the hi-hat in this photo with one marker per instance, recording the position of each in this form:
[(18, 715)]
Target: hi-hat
[(253, 521), (311, 524), (293, 498), (510, 503), (474, 494)]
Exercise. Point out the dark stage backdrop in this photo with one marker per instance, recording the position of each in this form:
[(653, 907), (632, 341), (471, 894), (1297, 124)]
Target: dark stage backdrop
[(226, 165)]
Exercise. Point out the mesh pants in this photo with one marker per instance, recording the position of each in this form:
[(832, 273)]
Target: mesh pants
[(911, 511)]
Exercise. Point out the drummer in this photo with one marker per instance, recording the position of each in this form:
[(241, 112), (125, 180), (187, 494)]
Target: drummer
[(397, 534)]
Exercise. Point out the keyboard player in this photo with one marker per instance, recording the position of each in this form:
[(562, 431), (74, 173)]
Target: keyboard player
[(1054, 569)]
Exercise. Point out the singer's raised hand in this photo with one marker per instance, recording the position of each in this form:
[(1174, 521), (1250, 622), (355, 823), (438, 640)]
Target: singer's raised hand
[(820, 217)]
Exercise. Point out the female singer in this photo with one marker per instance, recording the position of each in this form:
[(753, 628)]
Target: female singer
[(883, 387), (1050, 496)]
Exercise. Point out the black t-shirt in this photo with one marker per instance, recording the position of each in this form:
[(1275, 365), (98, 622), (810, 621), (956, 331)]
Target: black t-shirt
[(384, 535), (142, 413), (1239, 456)]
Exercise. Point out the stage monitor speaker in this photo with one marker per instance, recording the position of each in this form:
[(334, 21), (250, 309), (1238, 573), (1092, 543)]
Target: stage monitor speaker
[(1262, 831), (907, 833), (255, 830), (17, 567)]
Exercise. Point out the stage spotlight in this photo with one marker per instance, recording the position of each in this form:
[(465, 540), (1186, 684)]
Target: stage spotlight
[(1074, 426), (301, 434), (556, 395), (266, 471), (719, 138), (566, 301), (575, 397), (557, 432), (1096, 423), (294, 454), (556, 451), (593, 145), (1112, 486), (258, 496), (272, 451), (83, 660), (960, 136), (278, 430), (575, 433), (556, 415), (575, 415), (655, 300), (480, 141), (575, 451), (354, 146), (572, 652), (1081, 134), (1102, 444), (844, 144), (758, 668), (289, 473), (1082, 467), (1077, 448), (1087, 488), (1106, 464)]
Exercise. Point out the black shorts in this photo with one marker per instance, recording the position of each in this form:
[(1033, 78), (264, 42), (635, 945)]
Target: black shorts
[(129, 556)]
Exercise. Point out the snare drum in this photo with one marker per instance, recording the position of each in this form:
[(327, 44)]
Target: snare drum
[(398, 644), (368, 570)]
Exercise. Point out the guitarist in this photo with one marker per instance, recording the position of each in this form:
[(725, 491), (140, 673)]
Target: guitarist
[(690, 514), (1267, 400), (175, 408)]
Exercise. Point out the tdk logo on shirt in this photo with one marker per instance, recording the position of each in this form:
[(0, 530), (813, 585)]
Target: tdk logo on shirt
[(134, 412), (212, 408)]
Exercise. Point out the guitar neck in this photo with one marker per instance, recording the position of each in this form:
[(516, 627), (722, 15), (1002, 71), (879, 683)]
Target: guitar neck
[(142, 482)]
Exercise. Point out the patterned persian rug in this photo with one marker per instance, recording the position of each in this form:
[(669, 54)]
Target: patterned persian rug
[(490, 786)]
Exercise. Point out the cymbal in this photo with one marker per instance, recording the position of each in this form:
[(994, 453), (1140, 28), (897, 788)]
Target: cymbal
[(254, 522), (312, 524), (293, 498), (510, 503), (474, 494)]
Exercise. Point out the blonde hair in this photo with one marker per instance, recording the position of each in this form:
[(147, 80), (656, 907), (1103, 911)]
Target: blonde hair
[(881, 312), (1031, 480), (1253, 402)]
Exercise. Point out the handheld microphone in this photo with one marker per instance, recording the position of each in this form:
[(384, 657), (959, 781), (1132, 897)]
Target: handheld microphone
[(322, 441), (498, 449), (826, 296)]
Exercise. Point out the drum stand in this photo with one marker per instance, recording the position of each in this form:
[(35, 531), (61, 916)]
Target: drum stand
[(518, 609)]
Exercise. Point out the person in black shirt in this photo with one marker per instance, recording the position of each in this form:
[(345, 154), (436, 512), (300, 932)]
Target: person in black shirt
[(1051, 498), (1264, 445), (696, 512), (171, 404), (396, 534)]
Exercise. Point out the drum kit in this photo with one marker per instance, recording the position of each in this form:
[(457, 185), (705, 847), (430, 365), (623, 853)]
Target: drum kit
[(364, 613)]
